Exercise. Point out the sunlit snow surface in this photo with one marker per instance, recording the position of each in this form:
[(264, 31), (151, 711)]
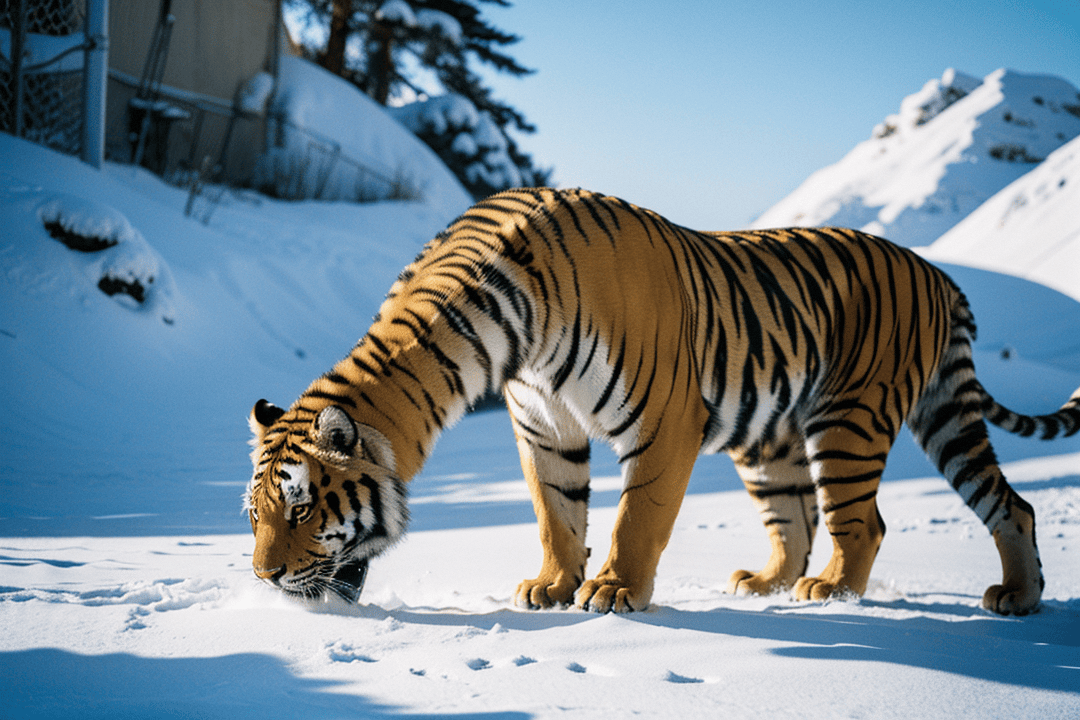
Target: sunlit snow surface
[(125, 581)]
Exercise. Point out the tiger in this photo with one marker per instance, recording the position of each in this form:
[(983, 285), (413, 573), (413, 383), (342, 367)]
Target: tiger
[(798, 352)]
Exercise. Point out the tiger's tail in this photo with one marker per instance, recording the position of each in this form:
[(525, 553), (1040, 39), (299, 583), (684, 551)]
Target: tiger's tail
[(1063, 423)]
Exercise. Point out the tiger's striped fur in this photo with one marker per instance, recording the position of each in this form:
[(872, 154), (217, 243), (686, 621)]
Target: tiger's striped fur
[(799, 352)]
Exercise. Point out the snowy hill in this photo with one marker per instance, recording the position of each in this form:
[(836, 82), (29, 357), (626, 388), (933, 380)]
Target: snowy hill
[(953, 145), (125, 573), (327, 124), (1031, 228)]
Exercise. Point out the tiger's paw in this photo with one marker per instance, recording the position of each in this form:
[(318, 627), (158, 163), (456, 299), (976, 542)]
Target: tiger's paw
[(744, 582), (541, 593), (814, 588), (1012, 599), (608, 595)]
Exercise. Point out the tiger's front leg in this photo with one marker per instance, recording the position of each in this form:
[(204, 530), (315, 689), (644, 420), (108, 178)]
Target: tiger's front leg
[(656, 481), (556, 467)]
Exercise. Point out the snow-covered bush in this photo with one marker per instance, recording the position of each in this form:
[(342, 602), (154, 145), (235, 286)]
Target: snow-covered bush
[(119, 260)]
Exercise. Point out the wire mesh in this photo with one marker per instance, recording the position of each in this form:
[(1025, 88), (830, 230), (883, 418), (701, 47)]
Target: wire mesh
[(41, 75)]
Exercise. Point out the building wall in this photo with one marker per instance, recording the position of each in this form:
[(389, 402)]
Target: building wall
[(216, 45)]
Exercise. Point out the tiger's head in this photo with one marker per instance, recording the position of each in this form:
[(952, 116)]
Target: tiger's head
[(324, 499)]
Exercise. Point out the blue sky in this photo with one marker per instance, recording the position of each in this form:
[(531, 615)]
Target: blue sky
[(711, 111)]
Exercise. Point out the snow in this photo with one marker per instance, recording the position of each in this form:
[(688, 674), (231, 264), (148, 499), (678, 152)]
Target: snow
[(43, 49), (253, 94), (1031, 228), (125, 561), (477, 137), (929, 166), (396, 11), (439, 114), (328, 121), (445, 24)]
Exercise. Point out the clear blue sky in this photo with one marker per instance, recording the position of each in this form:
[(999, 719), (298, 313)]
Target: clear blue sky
[(710, 111)]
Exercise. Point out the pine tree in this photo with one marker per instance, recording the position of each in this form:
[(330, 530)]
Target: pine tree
[(380, 45)]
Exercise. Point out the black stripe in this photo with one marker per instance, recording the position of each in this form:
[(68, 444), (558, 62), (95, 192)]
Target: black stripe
[(567, 367), (572, 494), (849, 479), (847, 503), (616, 374), (578, 456), (787, 490), (638, 450), (332, 397)]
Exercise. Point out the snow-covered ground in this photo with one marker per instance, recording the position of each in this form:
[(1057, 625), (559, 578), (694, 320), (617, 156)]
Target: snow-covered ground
[(125, 581)]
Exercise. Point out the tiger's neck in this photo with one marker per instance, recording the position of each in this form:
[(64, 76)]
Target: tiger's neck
[(398, 389), (416, 372)]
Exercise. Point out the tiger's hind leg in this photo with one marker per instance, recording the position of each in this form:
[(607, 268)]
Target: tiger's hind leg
[(948, 423), (554, 454), (784, 494)]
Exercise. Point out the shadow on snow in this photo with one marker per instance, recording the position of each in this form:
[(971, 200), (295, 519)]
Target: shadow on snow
[(55, 683)]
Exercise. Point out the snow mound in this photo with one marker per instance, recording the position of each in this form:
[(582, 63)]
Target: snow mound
[(336, 143), (110, 253), (1030, 229), (952, 146)]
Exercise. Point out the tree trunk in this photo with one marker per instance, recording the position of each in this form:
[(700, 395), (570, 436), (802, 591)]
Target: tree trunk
[(382, 66), (333, 59)]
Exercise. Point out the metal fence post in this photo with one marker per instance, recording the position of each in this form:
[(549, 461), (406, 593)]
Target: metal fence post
[(18, 43), (95, 77)]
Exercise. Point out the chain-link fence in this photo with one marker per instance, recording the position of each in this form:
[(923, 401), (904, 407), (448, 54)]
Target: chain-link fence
[(42, 49), (56, 90)]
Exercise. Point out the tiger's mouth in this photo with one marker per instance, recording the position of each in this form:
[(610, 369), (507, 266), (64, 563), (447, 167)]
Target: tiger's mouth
[(349, 580), (346, 582)]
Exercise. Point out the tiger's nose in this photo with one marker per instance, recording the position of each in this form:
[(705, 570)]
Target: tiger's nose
[(271, 575)]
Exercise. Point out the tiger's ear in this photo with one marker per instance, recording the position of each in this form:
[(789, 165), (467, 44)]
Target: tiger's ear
[(335, 432), (263, 415)]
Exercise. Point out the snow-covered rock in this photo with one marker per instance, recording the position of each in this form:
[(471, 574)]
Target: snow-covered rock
[(1030, 229), (952, 146), (107, 253)]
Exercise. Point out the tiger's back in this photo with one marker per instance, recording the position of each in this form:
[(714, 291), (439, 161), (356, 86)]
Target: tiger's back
[(799, 352)]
